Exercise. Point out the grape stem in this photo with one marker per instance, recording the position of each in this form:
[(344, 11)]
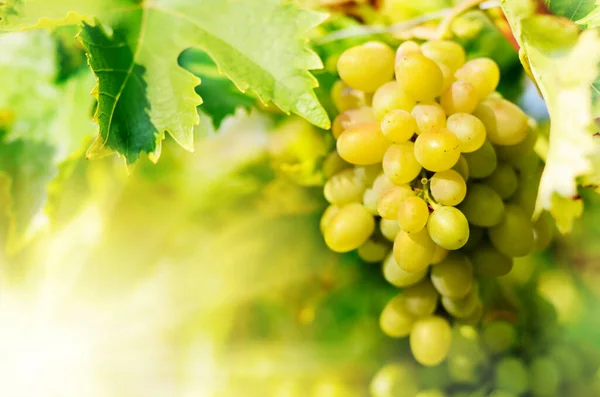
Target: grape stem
[(444, 30), (427, 194)]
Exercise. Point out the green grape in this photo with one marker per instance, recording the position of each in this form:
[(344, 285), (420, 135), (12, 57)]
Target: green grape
[(503, 180), (391, 96), (349, 228), (489, 262), (475, 317), (482, 162), (345, 98), (543, 231), (429, 117), (431, 393), (344, 188), (373, 251), (395, 320), (367, 66), (397, 379), (545, 377), (462, 308), (390, 202), (430, 340), (420, 77), (398, 277), (459, 97), (466, 342), (513, 236), (439, 255), (476, 234), (448, 187), (363, 144), (511, 375), (469, 130), (483, 73), (412, 214), (448, 228), (434, 377), (437, 151), (482, 206), (400, 164), (505, 122), (413, 251), (570, 365), (421, 299), (499, 336), (445, 52), (463, 370), (327, 216), (398, 125), (333, 164), (462, 167), (350, 119), (526, 194), (453, 277), (513, 154)]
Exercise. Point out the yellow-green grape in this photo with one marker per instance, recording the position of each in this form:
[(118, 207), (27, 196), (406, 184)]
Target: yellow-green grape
[(368, 173), (366, 67), (448, 187), (395, 320), (526, 194), (482, 162), (453, 277), (373, 251), (476, 234), (391, 96), (483, 73), (475, 317), (363, 144), (462, 167), (398, 277), (489, 262), (482, 206), (439, 255), (413, 251), (389, 229), (445, 52), (499, 336), (513, 154), (419, 76), (370, 199), (571, 366), (398, 125), (429, 117), (469, 130), (381, 184), (513, 236), (543, 230), (344, 187), (327, 216), (431, 393), (397, 379), (349, 228), (545, 377), (400, 164), (389, 203), (462, 308), (511, 375), (351, 118), (505, 122), (503, 180), (421, 299), (448, 76), (430, 340), (448, 228), (437, 151), (406, 48), (345, 98), (459, 97), (333, 164), (412, 214)]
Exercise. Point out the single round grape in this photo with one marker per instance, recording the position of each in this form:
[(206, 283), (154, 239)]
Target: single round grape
[(511, 375), (382, 183), (475, 317), (469, 130), (327, 216), (412, 214), (400, 164), (363, 144), (545, 377), (349, 228), (395, 320), (448, 228), (527, 191), (430, 340), (482, 162), (391, 96), (366, 67), (445, 52), (431, 393), (368, 173), (483, 73), (370, 199), (482, 206), (420, 77), (439, 255), (499, 336), (373, 251), (453, 277), (461, 308), (462, 167), (421, 299), (389, 229), (437, 151), (350, 119), (343, 188), (513, 236), (397, 379), (505, 122), (429, 117), (333, 164), (413, 251), (390, 202), (406, 48), (448, 187), (459, 97), (447, 75), (398, 125), (543, 231), (476, 234), (513, 154), (489, 262), (398, 277), (503, 180), (345, 98)]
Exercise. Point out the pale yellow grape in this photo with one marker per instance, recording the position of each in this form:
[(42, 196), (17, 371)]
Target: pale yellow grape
[(437, 151), (373, 251), (445, 52), (398, 125), (462, 167), (448, 228), (413, 251), (391, 96), (503, 180), (482, 73), (327, 216), (333, 164), (368, 173), (419, 76), (469, 130), (406, 48), (439, 255), (349, 228), (400, 164), (382, 183), (345, 98), (453, 277), (482, 162), (351, 118), (412, 214), (482, 206), (397, 379), (515, 153), (398, 277), (430, 340), (448, 187), (363, 144), (429, 117), (421, 299), (389, 229), (370, 198), (448, 76), (505, 122), (395, 320), (460, 97), (367, 66), (513, 236), (344, 187), (390, 202), (462, 308)]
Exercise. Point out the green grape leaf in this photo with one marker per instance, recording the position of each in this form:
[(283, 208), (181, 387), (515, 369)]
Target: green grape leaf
[(572, 9)]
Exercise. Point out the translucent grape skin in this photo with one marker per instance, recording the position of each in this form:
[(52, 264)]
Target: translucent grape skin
[(406, 48), (430, 340), (513, 236), (395, 320), (482, 205), (453, 277), (345, 98), (499, 336), (421, 299), (445, 52), (400, 164), (373, 251), (489, 262), (511, 375), (482, 162), (448, 228), (469, 130), (368, 173), (413, 251), (343, 188), (505, 122), (461, 308), (391, 96), (482, 73), (348, 228), (448, 187), (420, 77), (367, 66), (363, 144), (389, 229), (439, 255), (398, 125), (503, 180), (327, 216), (351, 118), (429, 117), (437, 151), (333, 164), (391, 201), (412, 214), (459, 97), (398, 277)]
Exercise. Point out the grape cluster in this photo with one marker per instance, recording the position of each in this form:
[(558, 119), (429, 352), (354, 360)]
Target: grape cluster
[(431, 158)]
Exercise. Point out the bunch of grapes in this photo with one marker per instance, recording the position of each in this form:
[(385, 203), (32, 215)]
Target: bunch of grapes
[(431, 158)]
